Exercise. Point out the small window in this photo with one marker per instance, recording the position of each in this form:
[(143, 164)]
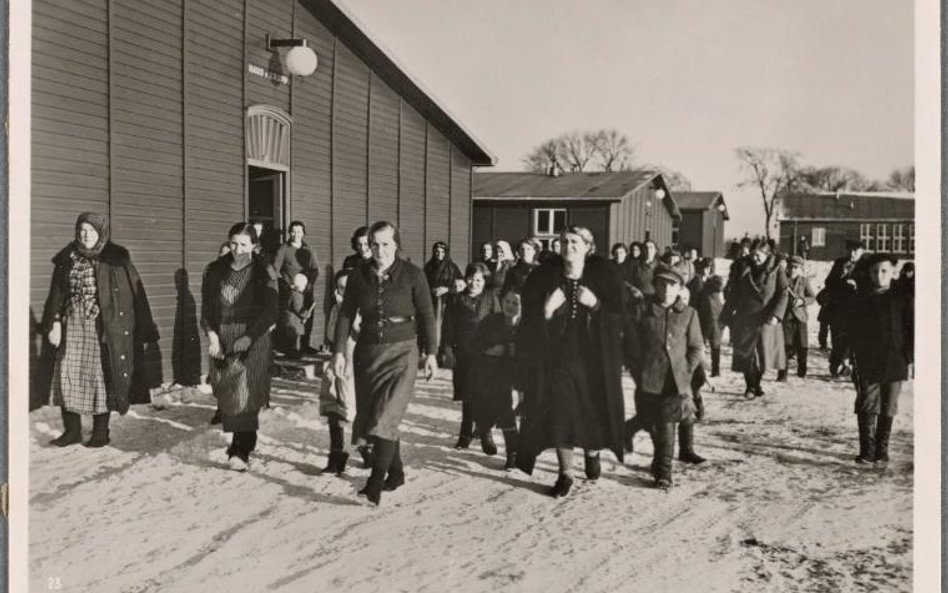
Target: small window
[(547, 224), (818, 237), (911, 238), (898, 238), (865, 235), (676, 232), (882, 237)]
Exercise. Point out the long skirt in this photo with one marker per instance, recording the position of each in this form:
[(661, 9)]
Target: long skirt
[(384, 381), (573, 417), (257, 361), (78, 373)]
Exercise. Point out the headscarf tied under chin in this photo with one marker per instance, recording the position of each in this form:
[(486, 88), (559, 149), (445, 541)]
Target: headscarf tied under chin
[(440, 273), (100, 223)]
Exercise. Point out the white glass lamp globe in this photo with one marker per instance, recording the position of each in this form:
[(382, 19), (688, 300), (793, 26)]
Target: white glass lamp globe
[(659, 194), (301, 61)]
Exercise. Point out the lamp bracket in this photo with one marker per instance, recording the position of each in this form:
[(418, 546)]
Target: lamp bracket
[(273, 43)]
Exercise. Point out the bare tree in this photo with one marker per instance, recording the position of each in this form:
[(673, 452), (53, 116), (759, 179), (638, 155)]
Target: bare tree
[(834, 179), (576, 152), (902, 179), (674, 180), (772, 172)]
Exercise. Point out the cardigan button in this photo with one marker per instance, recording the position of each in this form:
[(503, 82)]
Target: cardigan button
[(122, 357), (126, 332)]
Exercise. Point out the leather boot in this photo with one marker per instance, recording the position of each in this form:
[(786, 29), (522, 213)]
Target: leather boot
[(396, 471), (715, 362), (562, 486), (341, 461), (867, 438), (510, 444), (593, 467), (368, 459), (100, 431), (332, 464), (373, 490), (781, 375), (487, 443), (801, 362), (883, 430), (467, 427), (72, 429), (664, 449), (686, 442)]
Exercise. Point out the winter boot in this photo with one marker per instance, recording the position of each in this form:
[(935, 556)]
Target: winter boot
[(384, 454), (883, 430), (100, 431), (664, 449), (368, 459), (801, 363), (487, 443), (341, 461), (467, 427), (867, 438), (332, 465), (781, 375), (686, 443), (715, 362), (373, 490), (396, 471), (593, 467), (562, 486), (510, 444), (72, 429)]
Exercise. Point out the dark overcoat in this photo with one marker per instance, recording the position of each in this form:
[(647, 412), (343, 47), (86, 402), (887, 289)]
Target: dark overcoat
[(759, 293), (709, 302), (127, 324), (800, 297), (536, 334), (883, 329), (664, 340), (844, 281)]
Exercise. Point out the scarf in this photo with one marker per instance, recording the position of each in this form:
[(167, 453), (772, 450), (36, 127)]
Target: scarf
[(440, 273), (101, 224)]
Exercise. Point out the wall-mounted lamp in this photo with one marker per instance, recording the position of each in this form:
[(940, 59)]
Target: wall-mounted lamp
[(299, 61), (721, 207), (659, 194)]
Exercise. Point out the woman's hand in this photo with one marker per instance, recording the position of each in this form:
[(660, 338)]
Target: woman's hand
[(55, 334), (431, 366), (554, 302), (440, 291), (587, 298), (242, 344), (338, 364), (214, 349)]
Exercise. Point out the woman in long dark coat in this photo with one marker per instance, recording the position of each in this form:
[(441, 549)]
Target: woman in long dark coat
[(754, 309), (394, 301), (527, 251), (570, 344), (98, 317), (441, 272), (239, 305)]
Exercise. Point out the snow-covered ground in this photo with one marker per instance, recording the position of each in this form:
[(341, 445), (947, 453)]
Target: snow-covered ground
[(780, 506)]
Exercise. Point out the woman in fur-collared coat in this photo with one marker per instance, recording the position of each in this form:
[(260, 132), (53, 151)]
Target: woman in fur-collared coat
[(98, 318), (754, 310), (570, 345)]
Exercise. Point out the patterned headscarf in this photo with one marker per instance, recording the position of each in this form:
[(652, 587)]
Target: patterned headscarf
[(100, 223)]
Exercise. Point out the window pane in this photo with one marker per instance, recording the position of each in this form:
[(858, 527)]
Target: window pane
[(543, 222), (559, 220)]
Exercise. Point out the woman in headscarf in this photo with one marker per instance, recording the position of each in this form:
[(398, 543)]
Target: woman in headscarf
[(570, 347), (441, 272), (239, 305), (505, 261), (394, 300), (98, 317), (754, 310), (527, 251)]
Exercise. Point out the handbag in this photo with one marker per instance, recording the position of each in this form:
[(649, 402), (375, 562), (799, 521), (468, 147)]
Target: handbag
[(228, 379)]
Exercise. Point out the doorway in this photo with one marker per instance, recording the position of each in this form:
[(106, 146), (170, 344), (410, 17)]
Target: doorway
[(266, 189)]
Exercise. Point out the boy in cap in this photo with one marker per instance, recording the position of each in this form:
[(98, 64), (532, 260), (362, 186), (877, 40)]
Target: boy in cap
[(800, 297), (664, 349), (881, 324)]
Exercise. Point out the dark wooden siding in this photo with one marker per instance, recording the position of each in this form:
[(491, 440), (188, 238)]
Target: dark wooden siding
[(147, 149), (691, 229), (411, 204), (437, 190), (349, 147), (276, 18), (383, 152), (460, 207), (482, 228), (70, 128), (213, 138), (596, 219)]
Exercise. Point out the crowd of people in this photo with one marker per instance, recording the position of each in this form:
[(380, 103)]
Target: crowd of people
[(537, 339)]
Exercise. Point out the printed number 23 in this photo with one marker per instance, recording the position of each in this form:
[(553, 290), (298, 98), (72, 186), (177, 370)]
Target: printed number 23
[(54, 583)]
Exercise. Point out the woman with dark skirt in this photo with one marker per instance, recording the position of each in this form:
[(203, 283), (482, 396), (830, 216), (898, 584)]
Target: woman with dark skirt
[(527, 251), (394, 300), (570, 349), (754, 310), (239, 305), (462, 319), (441, 272), (98, 318)]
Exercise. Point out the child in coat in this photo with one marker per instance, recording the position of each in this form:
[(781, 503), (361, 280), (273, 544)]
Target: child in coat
[(461, 319), (496, 376), (337, 394), (795, 327), (293, 317), (881, 323), (709, 301)]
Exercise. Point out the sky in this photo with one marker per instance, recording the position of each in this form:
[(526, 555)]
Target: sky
[(687, 81)]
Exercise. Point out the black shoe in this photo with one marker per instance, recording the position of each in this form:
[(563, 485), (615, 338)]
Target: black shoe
[(67, 438), (100, 431), (562, 486), (98, 439), (341, 460), (332, 465), (394, 481), (72, 429), (690, 457), (663, 483), (627, 440), (463, 442), (216, 418), (782, 376), (373, 491), (593, 467), (488, 445), (511, 461), (368, 459), (759, 391)]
